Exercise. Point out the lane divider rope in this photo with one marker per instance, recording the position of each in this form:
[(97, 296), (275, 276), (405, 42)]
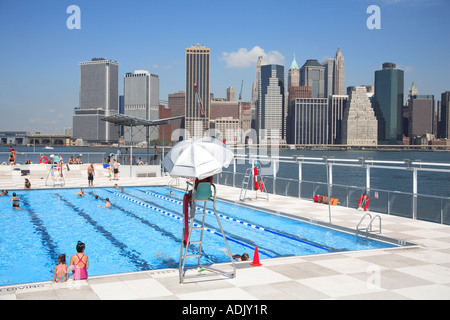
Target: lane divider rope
[(239, 221), (181, 219)]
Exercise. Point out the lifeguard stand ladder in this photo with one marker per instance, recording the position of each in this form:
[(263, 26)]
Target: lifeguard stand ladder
[(246, 183), (201, 193), (55, 173)]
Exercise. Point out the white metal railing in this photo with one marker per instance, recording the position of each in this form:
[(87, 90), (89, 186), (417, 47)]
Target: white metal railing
[(412, 199), (86, 157)]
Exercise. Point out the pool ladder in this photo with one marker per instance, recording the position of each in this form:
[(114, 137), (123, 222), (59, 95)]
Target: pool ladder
[(198, 270), (368, 229)]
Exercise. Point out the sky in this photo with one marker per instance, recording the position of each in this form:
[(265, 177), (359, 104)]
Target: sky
[(39, 55)]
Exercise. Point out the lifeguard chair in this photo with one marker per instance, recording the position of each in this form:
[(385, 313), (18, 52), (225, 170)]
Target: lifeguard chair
[(55, 172), (202, 190)]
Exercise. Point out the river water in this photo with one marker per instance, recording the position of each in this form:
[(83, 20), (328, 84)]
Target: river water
[(429, 183)]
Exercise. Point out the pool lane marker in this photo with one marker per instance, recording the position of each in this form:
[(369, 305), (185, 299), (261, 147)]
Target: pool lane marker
[(157, 229), (134, 257), (46, 239), (181, 219), (242, 222)]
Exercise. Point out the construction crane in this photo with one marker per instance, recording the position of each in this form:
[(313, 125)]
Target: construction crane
[(240, 103), (240, 93), (199, 101)]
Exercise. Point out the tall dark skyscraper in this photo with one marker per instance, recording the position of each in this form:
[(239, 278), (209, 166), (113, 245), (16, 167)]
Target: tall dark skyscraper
[(444, 116), (420, 115), (198, 68), (312, 74), (388, 100)]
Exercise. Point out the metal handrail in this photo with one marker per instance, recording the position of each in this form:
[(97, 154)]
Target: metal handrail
[(334, 161), (367, 165), (369, 226)]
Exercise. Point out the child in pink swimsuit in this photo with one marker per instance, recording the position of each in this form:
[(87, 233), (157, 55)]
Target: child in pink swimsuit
[(79, 263), (61, 270)]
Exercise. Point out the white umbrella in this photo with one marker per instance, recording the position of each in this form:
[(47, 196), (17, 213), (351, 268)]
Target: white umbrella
[(198, 158)]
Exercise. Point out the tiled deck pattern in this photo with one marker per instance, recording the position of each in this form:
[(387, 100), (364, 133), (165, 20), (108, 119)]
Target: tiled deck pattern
[(418, 272)]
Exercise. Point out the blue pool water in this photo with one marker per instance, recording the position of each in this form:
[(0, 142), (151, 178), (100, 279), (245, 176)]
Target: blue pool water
[(142, 231)]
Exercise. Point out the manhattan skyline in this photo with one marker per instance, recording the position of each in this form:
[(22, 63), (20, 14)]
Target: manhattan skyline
[(39, 72)]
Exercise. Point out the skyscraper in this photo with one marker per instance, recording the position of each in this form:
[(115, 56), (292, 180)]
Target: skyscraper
[(421, 115), (312, 74), (308, 121), (99, 96), (328, 65), (271, 117), (337, 106), (197, 78), (231, 94), (177, 106), (339, 73), (141, 100), (444, 116), (255, 92), (359, 124), (294, 74), (388, 103)]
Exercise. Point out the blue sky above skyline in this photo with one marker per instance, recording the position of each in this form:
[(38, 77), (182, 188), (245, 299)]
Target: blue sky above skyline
[(39, 72)]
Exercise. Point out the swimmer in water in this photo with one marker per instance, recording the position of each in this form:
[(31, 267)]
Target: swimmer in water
[(107, 203), (81, 193), (15, 201)]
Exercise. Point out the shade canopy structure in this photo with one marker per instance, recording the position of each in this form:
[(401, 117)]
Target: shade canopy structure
[(128, 121), (198, 158)]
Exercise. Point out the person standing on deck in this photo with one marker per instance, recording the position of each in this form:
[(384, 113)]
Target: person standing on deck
[(91, 174)]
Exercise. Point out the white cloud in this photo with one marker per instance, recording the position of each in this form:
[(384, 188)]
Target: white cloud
[(405, 68), (244, 58), (408, 69)]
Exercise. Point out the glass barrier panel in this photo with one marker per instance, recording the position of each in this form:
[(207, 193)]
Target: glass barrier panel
[(353, 197), (401, 204), (268, 183), (340, 193), (446, 211), (319, 189), (292, 188), (306, 191), (378, 201), (428, 209)]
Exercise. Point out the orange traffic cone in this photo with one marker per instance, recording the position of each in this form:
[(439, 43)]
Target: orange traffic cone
[(256, 262)]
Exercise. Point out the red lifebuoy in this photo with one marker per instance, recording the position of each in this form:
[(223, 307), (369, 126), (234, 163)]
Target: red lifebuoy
[(43, 158), (363, 202), (186, 218), (261, 186)]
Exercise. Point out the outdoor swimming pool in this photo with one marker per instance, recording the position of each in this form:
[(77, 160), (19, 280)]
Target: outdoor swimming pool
[(142, 230)]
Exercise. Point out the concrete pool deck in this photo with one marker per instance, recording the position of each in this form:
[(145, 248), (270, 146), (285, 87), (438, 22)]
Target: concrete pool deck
[(411, 272)]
